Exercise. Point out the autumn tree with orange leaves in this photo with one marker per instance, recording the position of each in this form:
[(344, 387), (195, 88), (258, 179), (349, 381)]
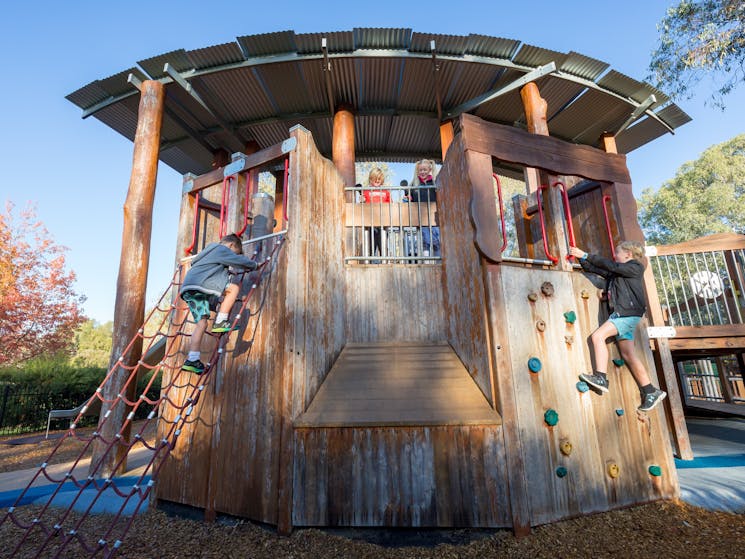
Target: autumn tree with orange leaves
[(39, 310)]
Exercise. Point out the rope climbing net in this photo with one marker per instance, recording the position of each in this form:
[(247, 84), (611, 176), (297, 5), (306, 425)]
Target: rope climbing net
[(62, 525)]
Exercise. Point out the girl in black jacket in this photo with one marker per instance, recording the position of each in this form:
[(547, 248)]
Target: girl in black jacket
[(626, 303)]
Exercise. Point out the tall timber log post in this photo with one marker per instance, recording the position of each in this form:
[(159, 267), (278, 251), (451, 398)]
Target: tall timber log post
[(535, 113), (129, 312), (446, 136), (342, 146)]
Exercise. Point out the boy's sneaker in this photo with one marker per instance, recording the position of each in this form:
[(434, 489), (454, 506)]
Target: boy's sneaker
[(651, 400), (193, 366), (596, 381), (223, 326)]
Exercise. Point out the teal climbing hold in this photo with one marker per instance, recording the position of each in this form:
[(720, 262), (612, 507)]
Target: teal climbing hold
[(570, 317), (534, 364), (551, 417), (561, 471), (619, 362), (619, 412), (582, 386), (656, 471)]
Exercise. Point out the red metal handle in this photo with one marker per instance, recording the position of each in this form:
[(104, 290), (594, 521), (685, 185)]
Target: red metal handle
[(606, 198), (190, 248), (567, 215), (501, 212), (284, 189), (551, 257)]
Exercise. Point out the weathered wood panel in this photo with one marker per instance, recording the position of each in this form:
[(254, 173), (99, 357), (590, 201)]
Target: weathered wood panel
[(398, 384), (599, 437), (394, 303), (508, 143), (414, 476), (462, 282)]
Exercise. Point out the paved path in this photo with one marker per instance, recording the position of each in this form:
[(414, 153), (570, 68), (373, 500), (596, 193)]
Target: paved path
[(715, 479)]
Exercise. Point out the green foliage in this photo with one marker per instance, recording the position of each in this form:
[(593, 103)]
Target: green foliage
[(701, 39), (93, 344), (706, 196), (55, 374)]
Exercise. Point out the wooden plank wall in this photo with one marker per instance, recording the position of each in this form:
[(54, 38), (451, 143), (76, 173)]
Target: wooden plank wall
[(406, 476), (394, 303), (598, 435), (462, 282)]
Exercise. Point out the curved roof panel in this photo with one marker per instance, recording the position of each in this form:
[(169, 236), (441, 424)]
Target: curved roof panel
[(259, 86)]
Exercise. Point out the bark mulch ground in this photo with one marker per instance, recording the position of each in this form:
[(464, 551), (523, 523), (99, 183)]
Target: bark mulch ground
[(663, 529)]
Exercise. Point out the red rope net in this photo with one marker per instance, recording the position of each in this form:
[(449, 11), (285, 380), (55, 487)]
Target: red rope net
[(55, 530)]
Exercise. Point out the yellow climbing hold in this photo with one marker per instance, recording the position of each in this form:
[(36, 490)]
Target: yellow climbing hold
[(613, 470)]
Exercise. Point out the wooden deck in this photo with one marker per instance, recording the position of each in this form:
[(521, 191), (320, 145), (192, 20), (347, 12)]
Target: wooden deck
[(398, 384)]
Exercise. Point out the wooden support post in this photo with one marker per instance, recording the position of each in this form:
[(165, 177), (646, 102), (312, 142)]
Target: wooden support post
[(129, 312), (220, 158), (342, 146), (446, 136), (608, 143), (535, 109)]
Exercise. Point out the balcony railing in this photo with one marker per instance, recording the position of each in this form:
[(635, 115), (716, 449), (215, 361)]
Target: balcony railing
[(398, 231)]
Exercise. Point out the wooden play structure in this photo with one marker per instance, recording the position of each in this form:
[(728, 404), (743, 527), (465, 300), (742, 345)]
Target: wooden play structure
[(437, 391)]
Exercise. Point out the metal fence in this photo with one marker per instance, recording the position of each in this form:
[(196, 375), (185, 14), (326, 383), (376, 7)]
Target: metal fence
[(701, 288), (392, 225), (23, 410)]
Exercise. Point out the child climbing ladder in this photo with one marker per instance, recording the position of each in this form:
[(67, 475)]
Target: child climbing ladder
[(626, 303), (207, 279)]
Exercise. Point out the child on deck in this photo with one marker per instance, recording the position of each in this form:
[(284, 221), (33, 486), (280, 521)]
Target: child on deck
[(626, 302), (208, 279)]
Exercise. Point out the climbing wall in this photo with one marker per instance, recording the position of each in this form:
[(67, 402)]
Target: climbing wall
[(582, 452)]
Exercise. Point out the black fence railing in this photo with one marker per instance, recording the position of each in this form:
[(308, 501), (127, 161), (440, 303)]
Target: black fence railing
[(23, 410)]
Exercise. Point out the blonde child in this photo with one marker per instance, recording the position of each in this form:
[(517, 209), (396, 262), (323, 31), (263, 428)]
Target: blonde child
[(627, 304)]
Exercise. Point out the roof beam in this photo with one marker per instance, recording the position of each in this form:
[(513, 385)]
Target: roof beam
[(327, 75), (187, 86), (488, 96), (639, 111)]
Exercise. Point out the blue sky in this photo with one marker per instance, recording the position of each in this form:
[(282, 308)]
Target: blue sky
[(76, 171)]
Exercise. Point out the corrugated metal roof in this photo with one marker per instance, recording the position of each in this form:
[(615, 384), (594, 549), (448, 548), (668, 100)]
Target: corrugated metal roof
[(264, 84), (644, 131), (154, 66), (493, 47), (528, 55), (583, 66), (218, 55), (381, 38)]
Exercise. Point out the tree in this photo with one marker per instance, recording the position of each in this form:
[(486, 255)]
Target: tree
[(39, 310), (698, 39), (93, 344), (706, 196)]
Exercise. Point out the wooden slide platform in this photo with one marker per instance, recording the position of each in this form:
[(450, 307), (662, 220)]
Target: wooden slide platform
[(398, 384)]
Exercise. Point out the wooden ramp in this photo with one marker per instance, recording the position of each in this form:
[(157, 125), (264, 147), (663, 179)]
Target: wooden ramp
[(398, 384)]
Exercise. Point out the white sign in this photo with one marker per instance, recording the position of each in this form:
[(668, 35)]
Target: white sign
[(707, 284), (661, 332)]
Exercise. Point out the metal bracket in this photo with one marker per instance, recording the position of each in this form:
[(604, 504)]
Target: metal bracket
[(639, 111)]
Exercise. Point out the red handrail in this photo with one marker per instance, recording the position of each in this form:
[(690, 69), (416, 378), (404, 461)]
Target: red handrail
[(607, 223), (567, 215), (249, 194), (190, 248), (551, 257), (501, 212), (284, 189)]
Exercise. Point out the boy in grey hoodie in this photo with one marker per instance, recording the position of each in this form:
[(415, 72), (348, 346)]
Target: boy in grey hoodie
[(206, 280)]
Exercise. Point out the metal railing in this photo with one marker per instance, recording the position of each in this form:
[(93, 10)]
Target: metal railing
[(700, 288), (391, 229), (709, 380)]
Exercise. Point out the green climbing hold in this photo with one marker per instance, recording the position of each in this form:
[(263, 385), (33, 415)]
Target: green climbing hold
[(619, 362), (619, 412), (570, 317), (551, 417), (582, 386), (656, 471), (534, 364), (561, 471)]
